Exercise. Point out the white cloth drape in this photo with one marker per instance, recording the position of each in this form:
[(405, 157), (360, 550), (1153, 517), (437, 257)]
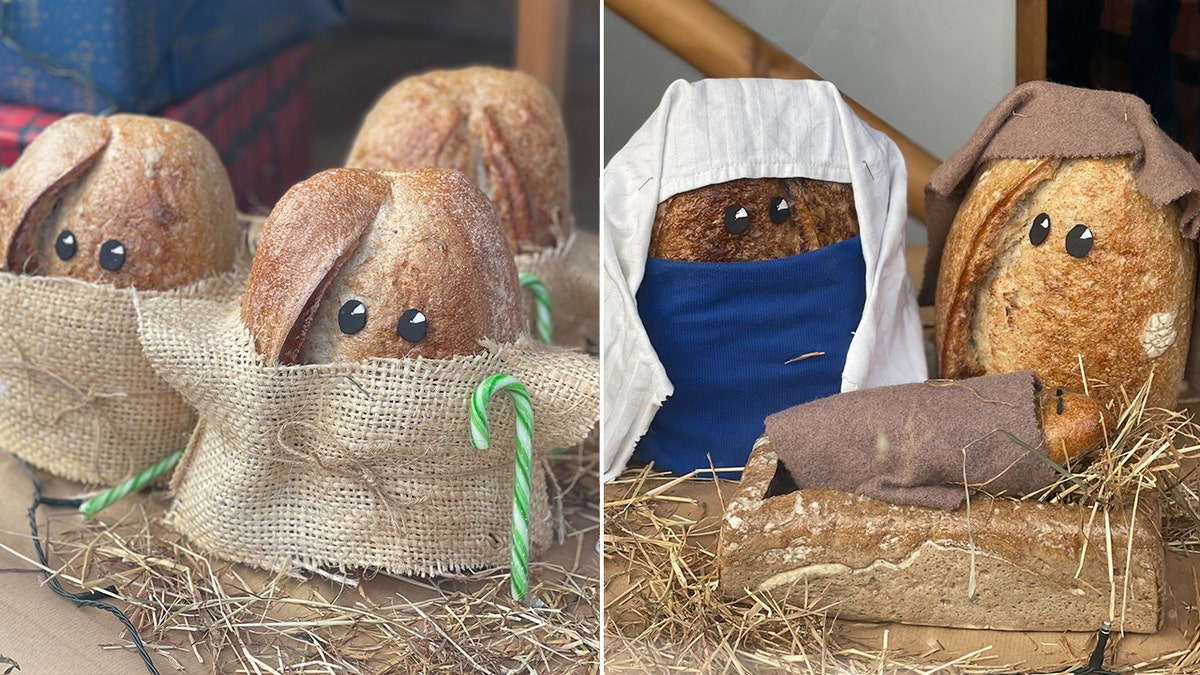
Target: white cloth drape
[(715, 131)]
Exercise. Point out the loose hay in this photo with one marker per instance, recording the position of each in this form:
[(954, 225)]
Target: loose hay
[(192, 609), (662, 612)]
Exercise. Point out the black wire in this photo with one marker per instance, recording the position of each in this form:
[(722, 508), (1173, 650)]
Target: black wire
[(92, 599)]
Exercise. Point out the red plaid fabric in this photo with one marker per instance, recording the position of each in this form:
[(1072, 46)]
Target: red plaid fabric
[(259, 120)]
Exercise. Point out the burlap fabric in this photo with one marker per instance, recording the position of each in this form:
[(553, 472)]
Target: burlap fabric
[(571, 272), (354, 464), (77, 397)]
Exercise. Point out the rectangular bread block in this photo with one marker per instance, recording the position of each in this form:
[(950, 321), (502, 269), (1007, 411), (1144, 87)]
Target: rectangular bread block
[(873, 561)]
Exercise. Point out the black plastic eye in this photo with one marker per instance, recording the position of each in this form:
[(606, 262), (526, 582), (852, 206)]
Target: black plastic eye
[(1040, 229), (64, 246), (352, 317), (412, 325), (779, 210), (737, 219), (1079, 240), (112, 255)]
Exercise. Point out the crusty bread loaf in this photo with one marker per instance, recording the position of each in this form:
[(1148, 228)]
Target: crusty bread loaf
[(753, 219), (1032, 566), (128, 200), (1073, 425), (1109, 281), (354, 264), (501, 128)]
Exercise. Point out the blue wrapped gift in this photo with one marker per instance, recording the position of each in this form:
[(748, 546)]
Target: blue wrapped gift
[(139, 55)]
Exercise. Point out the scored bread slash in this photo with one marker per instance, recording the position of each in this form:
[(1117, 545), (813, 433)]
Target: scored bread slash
[(310, 233)]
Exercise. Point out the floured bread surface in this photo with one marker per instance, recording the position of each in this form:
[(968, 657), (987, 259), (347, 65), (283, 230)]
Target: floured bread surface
[(151, 208), (1050, 263), (501, 128), (354, 264), (1004, 565), (435, 248)]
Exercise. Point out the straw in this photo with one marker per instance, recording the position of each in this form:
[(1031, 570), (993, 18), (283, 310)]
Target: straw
[(522, 481)]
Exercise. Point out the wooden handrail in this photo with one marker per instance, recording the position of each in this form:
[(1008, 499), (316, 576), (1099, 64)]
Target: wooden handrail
[(718, 45)]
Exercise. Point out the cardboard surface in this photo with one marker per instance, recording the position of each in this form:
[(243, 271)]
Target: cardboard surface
[(44, 633)]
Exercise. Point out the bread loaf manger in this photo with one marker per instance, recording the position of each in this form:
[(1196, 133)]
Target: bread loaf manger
[(333, 401), (94, 211), (504, 130), (997, 563)]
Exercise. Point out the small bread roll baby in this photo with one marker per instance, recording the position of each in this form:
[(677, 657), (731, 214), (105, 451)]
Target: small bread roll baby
[(128, 200), (355, 264), (501, 128)]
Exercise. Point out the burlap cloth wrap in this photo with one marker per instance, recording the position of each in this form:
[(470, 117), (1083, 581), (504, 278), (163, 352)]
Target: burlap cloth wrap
[(77, 397), (571, 272), (355, 464)]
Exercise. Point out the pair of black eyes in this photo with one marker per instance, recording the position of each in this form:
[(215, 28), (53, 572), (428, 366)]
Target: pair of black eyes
[(112, 252), (352, 317), (737, 218), (1079, 239)]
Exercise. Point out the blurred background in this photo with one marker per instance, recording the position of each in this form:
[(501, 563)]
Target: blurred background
[(385, 40), (279, 86), (933, 68)]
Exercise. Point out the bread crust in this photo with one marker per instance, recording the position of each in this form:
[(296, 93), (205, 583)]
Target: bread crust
[(690, 226), (875, 561), (311, 232), (28, 190), (1124, 309), (155, 186), (1073, 425), (424, 239), (501, 128)]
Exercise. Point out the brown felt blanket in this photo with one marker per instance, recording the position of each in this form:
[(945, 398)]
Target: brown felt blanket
[(1043, 119), (904, 444)]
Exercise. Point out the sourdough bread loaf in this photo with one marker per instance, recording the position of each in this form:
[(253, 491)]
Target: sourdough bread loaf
[(501, 128), (753, 219), (1058, 265), (127, 200), (1002, 564), (354, 264)]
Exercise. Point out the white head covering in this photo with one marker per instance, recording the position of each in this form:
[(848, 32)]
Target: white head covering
[(715, 131)]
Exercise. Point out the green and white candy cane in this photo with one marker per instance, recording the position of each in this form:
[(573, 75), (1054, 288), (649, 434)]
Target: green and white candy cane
[(130, 485), (541, 297), (522, 482)]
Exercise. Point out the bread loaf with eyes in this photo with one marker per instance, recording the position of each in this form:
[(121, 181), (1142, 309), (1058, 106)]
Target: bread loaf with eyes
[(127, 200), (1052, 264), (501, 128), (753, 219), (354, 264)]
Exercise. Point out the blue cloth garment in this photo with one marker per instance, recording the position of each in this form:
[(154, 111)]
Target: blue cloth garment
[(725, 333)]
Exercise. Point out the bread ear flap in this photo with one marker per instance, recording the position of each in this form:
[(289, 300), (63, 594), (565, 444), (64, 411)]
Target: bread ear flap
[(508, 190), (309, 235), (29, 190)]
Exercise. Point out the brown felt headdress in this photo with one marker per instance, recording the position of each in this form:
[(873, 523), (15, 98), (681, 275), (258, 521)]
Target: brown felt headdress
[(1043, 119)]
